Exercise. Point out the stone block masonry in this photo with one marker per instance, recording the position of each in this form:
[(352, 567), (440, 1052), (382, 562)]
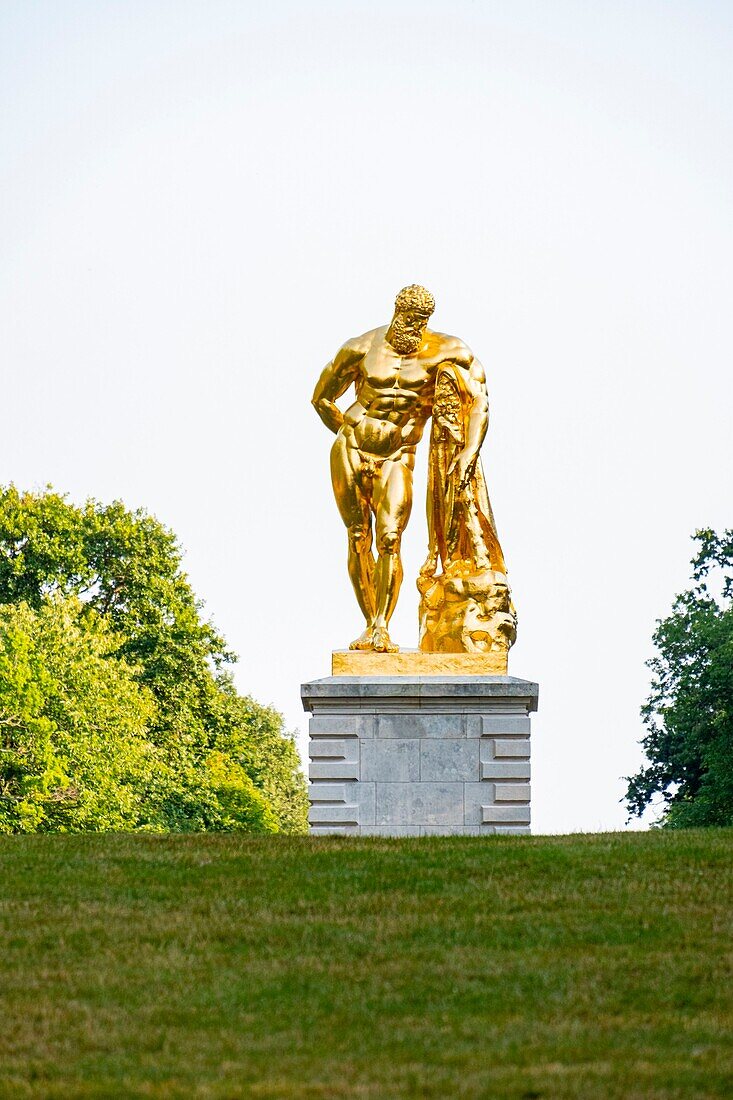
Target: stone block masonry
[(419, 755)]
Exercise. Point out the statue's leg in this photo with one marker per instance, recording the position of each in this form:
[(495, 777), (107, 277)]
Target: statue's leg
[(392, 506), (353, 506)]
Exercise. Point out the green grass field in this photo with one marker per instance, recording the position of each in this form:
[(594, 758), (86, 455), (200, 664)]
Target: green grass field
[(213, 966)]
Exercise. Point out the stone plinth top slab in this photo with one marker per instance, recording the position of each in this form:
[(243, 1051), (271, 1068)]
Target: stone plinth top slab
[(419, 690)]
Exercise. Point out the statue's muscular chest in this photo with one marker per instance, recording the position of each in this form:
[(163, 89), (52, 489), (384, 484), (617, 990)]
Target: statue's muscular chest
[(383, 371)]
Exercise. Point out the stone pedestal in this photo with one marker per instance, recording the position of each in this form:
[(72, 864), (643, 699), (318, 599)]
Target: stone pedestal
[(419, 755)]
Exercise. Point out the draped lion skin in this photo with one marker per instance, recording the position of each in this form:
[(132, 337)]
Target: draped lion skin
[(394, 370)]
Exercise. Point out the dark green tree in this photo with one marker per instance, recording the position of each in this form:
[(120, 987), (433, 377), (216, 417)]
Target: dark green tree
[(212, 746), (689, 713)]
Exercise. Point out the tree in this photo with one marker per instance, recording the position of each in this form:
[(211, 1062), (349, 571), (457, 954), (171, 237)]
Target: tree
[(124, 569), (74, 751), (689, 713)]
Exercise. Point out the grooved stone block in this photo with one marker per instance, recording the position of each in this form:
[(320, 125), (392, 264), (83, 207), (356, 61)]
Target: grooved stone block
[(505, 815), (335, 726), (351, 793), (505, 769), (493, 724), (330, 748), (334, 769), (334, 758), (511, 792), (327, 792), (428, 755), (518, 746), (333, 813)]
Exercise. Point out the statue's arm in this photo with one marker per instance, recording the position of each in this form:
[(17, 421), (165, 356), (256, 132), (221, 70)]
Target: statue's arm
[(478, 417), (335, 380), (478, 421)]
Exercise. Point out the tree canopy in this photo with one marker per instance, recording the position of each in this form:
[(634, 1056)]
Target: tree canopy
[(116, 706), (689, 713)]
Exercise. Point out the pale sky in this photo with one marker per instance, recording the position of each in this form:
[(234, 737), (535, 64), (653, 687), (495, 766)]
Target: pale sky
[(200, 201)]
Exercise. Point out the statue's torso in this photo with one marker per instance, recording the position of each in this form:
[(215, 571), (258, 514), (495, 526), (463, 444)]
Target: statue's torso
[(394, 395)]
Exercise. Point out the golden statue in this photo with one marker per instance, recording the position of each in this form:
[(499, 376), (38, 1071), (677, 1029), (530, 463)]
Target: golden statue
[(403, 373)]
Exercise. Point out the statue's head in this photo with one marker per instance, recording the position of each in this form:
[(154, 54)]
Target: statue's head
[(412, 309)]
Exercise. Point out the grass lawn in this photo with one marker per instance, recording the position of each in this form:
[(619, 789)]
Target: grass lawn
[(215, 966)]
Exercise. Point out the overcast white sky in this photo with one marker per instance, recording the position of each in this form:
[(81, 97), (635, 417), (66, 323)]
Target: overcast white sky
[(201, 201)]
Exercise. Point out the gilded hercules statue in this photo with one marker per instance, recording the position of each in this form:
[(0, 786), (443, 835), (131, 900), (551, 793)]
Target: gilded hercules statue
[(404, 374)]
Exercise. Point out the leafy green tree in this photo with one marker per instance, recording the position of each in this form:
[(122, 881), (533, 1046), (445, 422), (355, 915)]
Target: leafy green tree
[(124, 568), (689, 713), (253, 735), (74, 750)]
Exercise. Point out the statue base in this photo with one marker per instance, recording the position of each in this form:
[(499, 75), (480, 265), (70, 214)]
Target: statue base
[(419, 755), (413, 662)]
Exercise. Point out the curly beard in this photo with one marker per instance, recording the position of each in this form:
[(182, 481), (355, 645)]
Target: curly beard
[(402, 340)]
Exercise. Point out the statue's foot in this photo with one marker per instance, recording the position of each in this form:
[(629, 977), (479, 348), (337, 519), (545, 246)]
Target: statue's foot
[(381, 641), (364, 641)]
